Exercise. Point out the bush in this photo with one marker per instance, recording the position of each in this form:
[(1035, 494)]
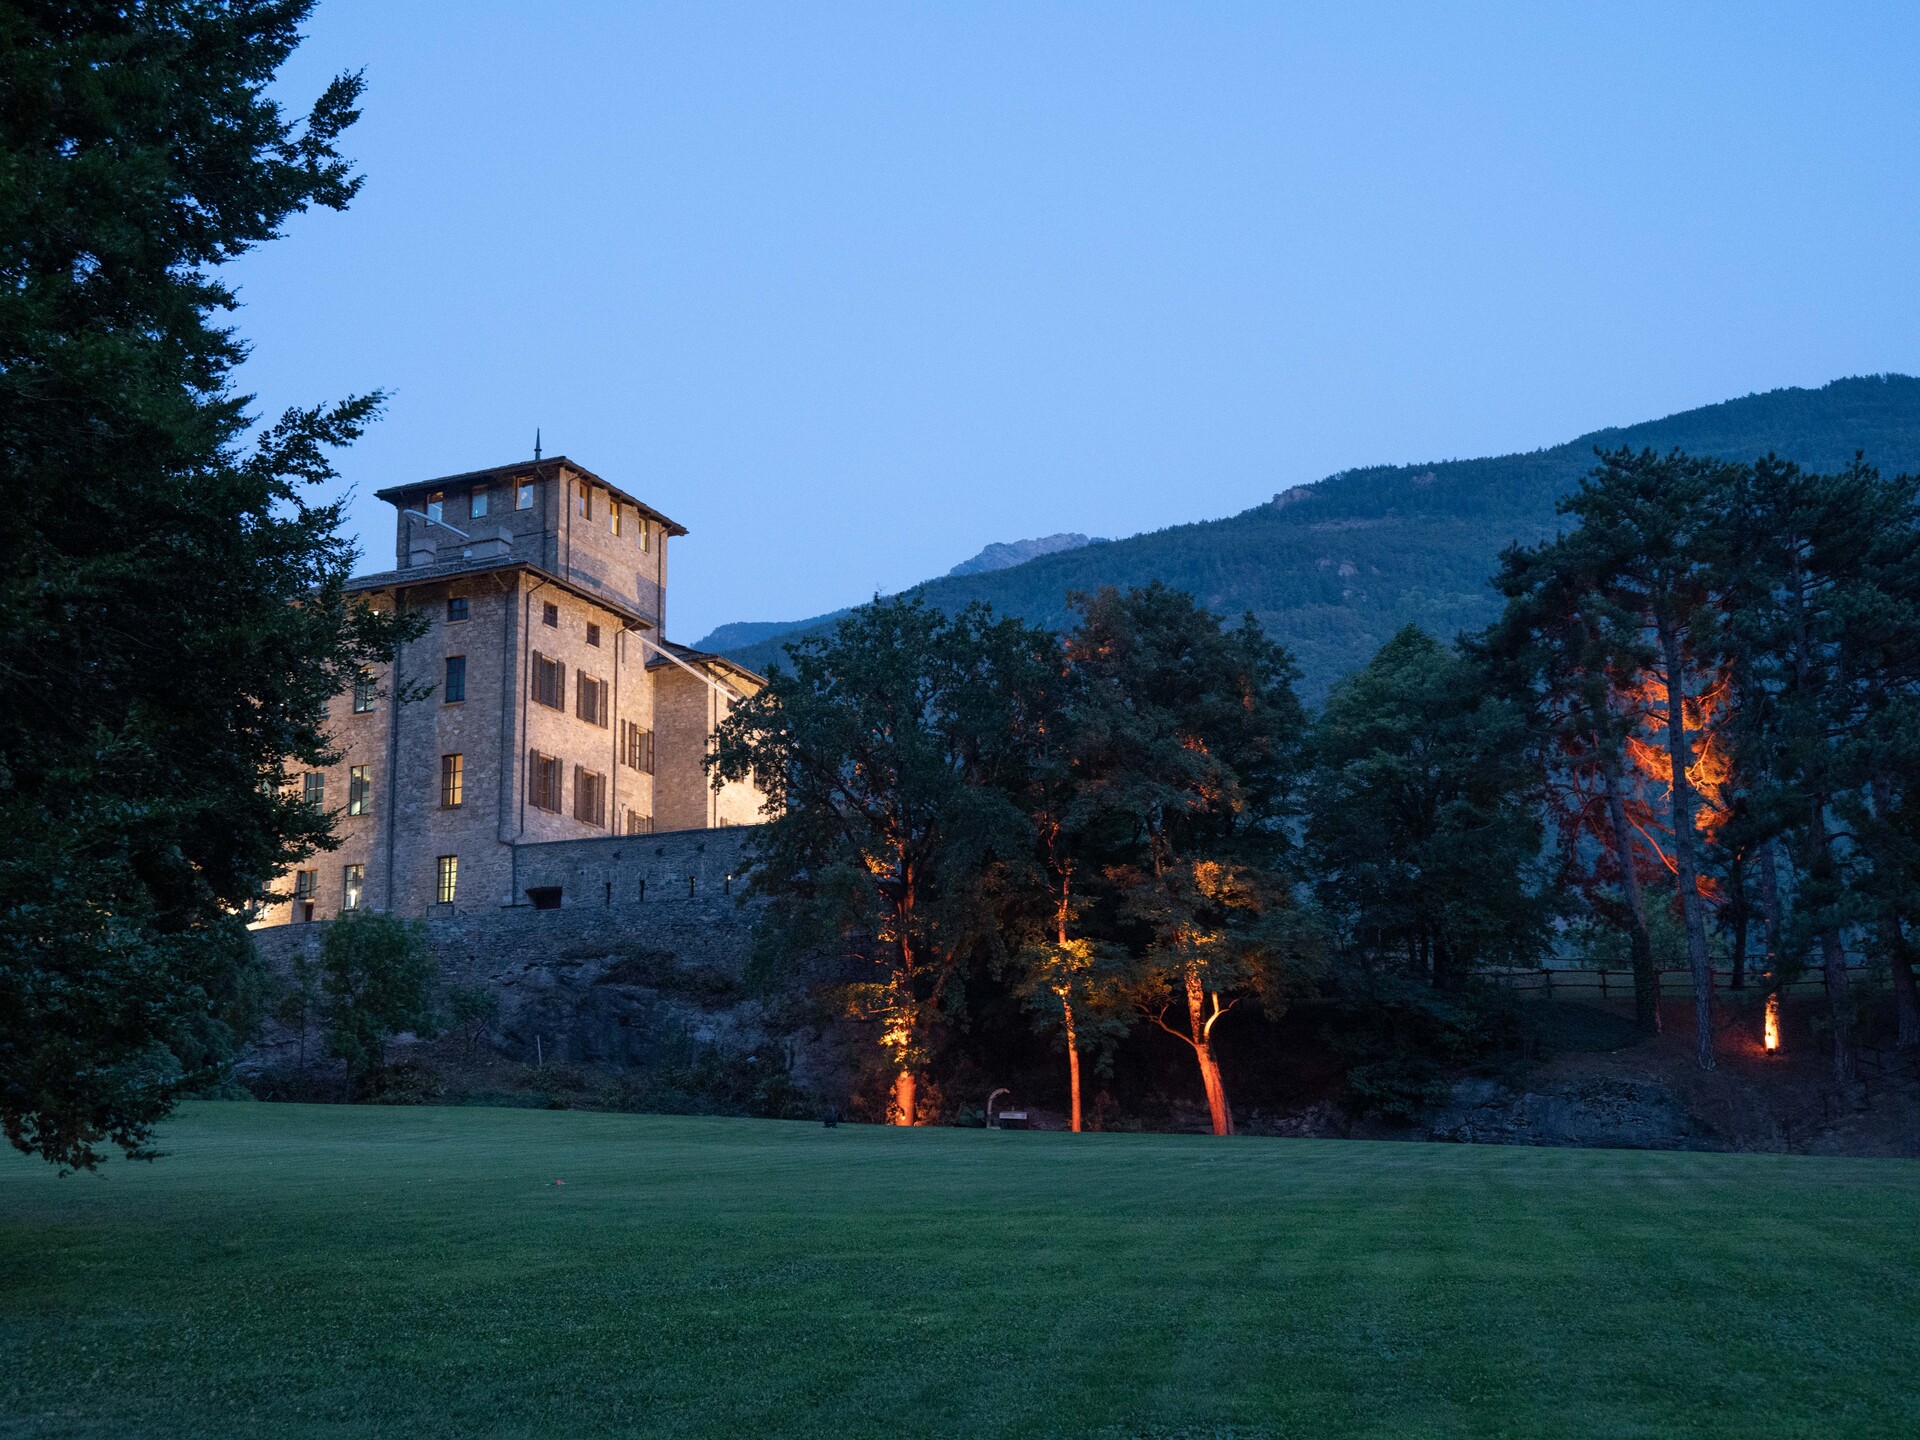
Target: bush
[(1403, 1040)]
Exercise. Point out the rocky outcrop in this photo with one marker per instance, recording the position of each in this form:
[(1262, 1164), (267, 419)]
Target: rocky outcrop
[(1597, 1111)]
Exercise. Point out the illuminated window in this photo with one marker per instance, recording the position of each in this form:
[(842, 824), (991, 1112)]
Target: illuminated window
[(644, 528), (447, 877), (360, 790), (456, 679), (613, 516), (523, 495), (353, 880), (584, 502), (453, 769), (481, 500), (363, 693), (437, 505)]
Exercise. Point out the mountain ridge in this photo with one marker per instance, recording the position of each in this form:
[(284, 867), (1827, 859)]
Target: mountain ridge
[(1334, 567)]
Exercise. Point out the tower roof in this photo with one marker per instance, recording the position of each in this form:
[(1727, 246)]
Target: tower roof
[(545, 469)]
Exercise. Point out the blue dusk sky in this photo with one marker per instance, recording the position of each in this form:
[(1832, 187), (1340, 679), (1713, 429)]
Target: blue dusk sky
[(853, 290)]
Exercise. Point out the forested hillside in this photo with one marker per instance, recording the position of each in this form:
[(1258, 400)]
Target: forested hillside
[(1333, 569)]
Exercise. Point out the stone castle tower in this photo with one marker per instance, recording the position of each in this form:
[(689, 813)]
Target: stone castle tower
[(542, 704)]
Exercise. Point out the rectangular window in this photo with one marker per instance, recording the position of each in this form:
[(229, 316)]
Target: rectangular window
[(437, 505), (593, 636), (446, 878), (481, 500), (549, 682), (543, 782), (360, 790), (363, 692), (637, 824), (313, 790), (644, 528), (550, 616), (523, 495), (457, 607), (590, 699), (636, 747), (613, 516), (306, 883), (353, 880), (589, 796), (584, 500), (453, 769), (456, 679)]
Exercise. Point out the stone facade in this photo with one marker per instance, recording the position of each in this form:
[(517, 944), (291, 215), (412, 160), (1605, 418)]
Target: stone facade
[(687, 711), (523, 716)]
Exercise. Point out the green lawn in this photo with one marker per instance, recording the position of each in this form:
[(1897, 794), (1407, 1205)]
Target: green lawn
[(413, 1272)]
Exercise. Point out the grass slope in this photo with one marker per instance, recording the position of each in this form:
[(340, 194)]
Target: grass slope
[(328, 1271), (1341, 566)]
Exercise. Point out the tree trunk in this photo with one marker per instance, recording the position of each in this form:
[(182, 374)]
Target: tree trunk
[(1073, 1062), (903, 1093), (1833, 966), (1893, 939), (1217, 1107), (1686, 865), (1833, 959), (1737, 905), (1646, 979), (1906, 995)]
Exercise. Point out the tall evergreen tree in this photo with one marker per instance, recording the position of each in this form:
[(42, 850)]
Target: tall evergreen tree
[(1825, 640), (1649, 528), (172, 621), (1423, 822), (1561, 648)]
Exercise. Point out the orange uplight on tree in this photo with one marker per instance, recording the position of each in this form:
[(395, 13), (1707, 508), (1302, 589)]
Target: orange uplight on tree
[(1771, 1038)]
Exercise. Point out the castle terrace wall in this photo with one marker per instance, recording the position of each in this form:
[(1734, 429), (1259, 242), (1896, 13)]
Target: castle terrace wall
[(609, 978)]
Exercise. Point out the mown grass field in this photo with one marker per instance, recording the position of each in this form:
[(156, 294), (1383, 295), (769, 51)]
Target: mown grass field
[(384, 1272)]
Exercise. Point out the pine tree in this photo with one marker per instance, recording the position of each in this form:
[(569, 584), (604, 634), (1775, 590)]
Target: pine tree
[(172, 615), (1422, 816)]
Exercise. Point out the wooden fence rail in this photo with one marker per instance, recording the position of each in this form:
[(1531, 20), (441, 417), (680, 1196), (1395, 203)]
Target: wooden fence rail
[(1607, 983)]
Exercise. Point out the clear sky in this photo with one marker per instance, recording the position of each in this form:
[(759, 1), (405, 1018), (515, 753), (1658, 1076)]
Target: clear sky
[(852, 290)]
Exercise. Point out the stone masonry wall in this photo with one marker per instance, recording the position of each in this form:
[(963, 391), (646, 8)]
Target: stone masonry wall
[(608, 979)]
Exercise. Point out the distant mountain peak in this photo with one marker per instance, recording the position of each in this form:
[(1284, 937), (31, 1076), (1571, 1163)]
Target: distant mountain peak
[(1005, 554)]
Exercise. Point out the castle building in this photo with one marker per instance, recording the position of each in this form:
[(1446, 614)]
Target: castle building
[(542, 703)]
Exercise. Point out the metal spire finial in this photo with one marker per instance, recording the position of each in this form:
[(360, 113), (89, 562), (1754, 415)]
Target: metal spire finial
[(536, 442)]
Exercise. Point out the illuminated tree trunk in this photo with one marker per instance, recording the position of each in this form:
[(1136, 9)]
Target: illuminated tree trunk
[(1646, 979), (903, 1095), (1073, 1061), (1685, 863), (1202, 1026)]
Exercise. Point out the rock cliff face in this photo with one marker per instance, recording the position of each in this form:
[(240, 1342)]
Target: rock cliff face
[(1595, 1111), (1004, 554)]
